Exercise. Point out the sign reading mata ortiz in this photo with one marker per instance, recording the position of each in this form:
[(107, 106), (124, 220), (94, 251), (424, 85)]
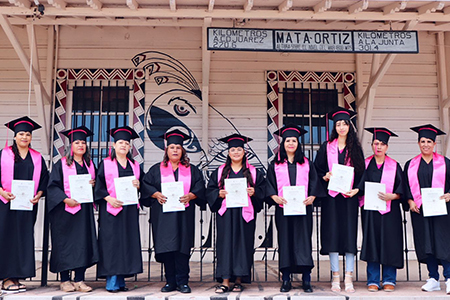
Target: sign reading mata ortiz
[(274, 40)]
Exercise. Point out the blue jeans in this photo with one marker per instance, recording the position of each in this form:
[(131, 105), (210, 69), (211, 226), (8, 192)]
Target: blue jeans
[(432, 266), (115, 282), (349, 261), (373, 274)]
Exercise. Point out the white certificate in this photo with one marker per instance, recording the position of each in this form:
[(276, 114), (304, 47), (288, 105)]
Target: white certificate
[(80, 188), (125, 191), (371, 200), (431, 202), (173, 191), (341, 180), (24, 192), (236, 192), (294, 195)]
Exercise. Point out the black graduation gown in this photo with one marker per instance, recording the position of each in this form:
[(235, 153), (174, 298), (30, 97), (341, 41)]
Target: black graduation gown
[(235, 237), (119, 241), (17, 227), (173, 231), (294, 232), (74, 240), (383, 234), (431, 234), (339, 215)]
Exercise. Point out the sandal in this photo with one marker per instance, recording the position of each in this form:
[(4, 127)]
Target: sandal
[(22, 287), (220, 289), (237, 288), (336, 285), (349, 285), (9, 288)]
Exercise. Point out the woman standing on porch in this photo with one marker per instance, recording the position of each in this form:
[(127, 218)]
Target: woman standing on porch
[(235, 226), (339, 211), (119, 240), (19, 162), (72, 225)]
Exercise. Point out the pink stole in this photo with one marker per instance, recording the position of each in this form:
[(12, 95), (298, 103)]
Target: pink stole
[(72, 170), (111, 169), (247, 212), (184, 175), (387, 177), (7, 165), (333, 158), (282, 175), (438, 180)]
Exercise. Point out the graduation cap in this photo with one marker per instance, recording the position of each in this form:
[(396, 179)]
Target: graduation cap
[(235, 140), (22, 124), (290, 130), (175, 137), (427, 131), (340, 113), (78, 134), (125, 133), (380, 133)]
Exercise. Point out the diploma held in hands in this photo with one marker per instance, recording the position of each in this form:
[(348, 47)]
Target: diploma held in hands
[(432, 205), (236, 192), (125, 191), (173, 191), (294, 195), (80, 188), (341, 180), (24, 192), (371, 200)]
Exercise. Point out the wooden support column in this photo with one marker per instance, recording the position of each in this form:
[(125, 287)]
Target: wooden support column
[(359, 91), (206, 66), (443, 91)]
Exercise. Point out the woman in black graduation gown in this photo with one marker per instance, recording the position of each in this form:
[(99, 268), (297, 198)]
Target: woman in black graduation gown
[(382, 230), (173, 232), (339, 212), (72, 225), (119, 241), (431, 234), (235, 226), (290, 168), (19, 162)]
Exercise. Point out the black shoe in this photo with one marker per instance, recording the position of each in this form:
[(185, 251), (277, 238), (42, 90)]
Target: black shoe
[(123, 289), (113, 291), (169, 287), (307, 287), (285, 286), (184, 288)]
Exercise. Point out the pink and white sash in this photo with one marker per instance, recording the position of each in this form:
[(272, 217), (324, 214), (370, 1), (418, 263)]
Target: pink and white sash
[(112, 171), (387, 177), (7, 165), (247, 212), (184, 175), (72, 170), (282, 175), (333, 158), (438, 180)]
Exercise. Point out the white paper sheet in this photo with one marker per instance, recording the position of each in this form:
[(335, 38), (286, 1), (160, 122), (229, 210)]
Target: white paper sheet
[(80, 188), (341, 180), (294, 195), (125, 191), (24, 192), (173, 191), (432, 205), (237, 192), (371, 200)]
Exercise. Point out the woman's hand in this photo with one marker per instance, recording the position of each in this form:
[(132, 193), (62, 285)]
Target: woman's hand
[(352, 193), (71, 202), (250, 191), (92, 182), (37, 197), (413, 206), (114, 202), (160, 197), (387, 196), (309, 200), (223, 194), (278, 199), (8, 196), (188, 197), (446, 196), (136, 183), (327, 176)]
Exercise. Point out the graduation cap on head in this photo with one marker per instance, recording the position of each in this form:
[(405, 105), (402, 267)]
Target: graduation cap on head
[(235, 140), (78, 134), (290, 130), (380, 133), (340, 113), (125, 133), (22, 124), (427, 131), (175, 137)]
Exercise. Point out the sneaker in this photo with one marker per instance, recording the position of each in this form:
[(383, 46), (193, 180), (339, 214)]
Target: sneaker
[(431, 285), (67, 287), (82, 287), (447, 286)]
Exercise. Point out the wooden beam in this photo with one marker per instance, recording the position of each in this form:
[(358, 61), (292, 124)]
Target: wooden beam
[(21, 3), (211, 6), (59, 4), (285, 6), (394, 7), (322, 6), (206, 70), (132, 4), (173, 5), (248, 5), (95, 4), (430, 7), (358, 7), (443, 88)]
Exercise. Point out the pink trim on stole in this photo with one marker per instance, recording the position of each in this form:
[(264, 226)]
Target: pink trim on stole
[(387, 177), (438, 180), (333, 158), (282, 175), (247, 212), (112, 171), (7, 165), (184, 175), (72, 170)]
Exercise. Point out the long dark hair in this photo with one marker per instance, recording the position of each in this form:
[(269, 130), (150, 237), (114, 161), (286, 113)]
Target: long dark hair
[(282, 157), (113, 155), (184, 158), (15, 150), (354, 150), (86, 156), (227, 170)]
